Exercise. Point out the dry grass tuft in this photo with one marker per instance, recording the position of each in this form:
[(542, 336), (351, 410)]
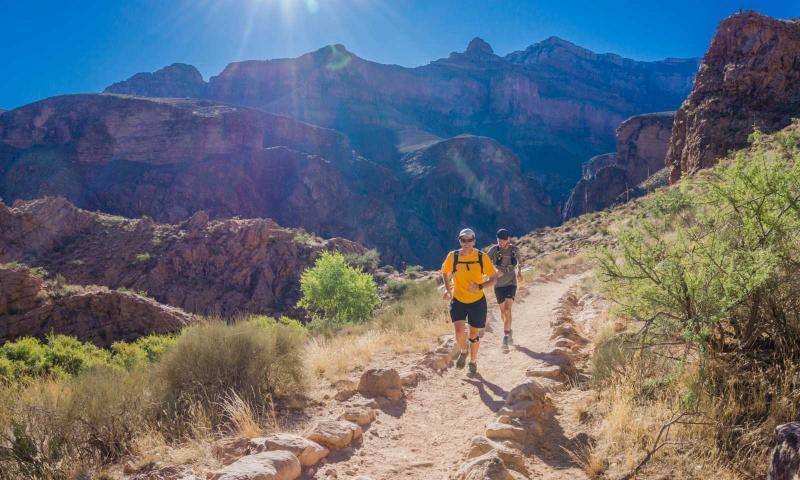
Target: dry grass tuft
[(410, 325)]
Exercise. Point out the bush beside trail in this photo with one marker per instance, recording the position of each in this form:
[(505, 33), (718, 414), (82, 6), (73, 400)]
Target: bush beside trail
[(708, 273), (72, 406)]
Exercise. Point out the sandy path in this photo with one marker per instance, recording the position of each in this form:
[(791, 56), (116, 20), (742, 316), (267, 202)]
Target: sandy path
[(428, 437)]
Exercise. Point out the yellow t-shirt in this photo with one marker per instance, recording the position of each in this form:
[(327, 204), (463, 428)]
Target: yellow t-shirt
[(466, 274)]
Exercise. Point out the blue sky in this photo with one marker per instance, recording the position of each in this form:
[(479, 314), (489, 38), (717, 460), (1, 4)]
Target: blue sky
[(54, 47)]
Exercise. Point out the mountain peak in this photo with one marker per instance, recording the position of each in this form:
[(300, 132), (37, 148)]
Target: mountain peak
[(479, 45)]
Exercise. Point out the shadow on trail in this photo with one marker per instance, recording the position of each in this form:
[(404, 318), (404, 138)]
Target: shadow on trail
[(394, 409), (551, 446), (493, 403), (544, 357)]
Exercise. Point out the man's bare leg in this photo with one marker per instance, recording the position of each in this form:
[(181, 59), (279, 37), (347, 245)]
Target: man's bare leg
[(474, 333), (461, 341)]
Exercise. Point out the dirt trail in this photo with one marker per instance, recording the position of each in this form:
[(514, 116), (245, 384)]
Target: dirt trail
[(428, 436)]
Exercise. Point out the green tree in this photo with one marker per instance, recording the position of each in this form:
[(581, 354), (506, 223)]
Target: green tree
[(335, 293)]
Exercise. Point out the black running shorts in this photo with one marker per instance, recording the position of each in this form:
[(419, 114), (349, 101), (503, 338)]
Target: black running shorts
[(474, 313), (504, 293)]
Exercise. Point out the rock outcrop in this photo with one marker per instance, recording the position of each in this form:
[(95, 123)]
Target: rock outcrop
[(470, 181), (532, 101), (29, 306), (785, 461), (749, 78), (201, 265), (642, 143), (176, 80)]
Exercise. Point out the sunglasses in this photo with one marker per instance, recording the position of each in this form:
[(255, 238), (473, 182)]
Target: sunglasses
[(466, 240)]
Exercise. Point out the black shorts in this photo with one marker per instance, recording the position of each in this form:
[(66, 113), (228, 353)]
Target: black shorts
[(474, 313), (504, 293)]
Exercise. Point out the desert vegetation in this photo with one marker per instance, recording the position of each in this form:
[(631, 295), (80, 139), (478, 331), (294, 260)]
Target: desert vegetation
[(705, 274), (70, 408)]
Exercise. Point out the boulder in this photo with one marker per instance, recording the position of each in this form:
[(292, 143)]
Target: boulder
[(383, 382), (785, 463), (530, 390), (361, 416), (511, 457), (486, 467), (503, 431), (334, 433), (307, 452), (275, 465), (540, 369)]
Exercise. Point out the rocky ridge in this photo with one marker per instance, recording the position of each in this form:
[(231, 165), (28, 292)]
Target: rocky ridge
[(203, 266), (169, 158), (531, 101), (31, 306), (607, 179), (749, 78)]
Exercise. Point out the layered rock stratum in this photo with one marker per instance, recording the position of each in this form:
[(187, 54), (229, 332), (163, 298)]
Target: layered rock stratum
[(642, 143), (553, 104), (224, 267), (749, 78), (168, 158)]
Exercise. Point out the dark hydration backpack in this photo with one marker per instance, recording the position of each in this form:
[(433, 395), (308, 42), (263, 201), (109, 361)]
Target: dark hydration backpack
[(456, 262), (498, 256)]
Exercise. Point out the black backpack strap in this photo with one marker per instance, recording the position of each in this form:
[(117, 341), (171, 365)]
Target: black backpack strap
[(455, 261), (480, 260)]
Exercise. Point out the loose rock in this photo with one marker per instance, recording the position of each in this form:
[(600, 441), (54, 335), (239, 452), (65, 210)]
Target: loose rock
[(334, 433), (381, 382), (502, 431), (362, 416), (307, 451), (277, 465)]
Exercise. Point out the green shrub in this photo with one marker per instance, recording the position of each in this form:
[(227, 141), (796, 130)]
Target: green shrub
[(397, 287), (711, 273), (71, 356), (413, 269), (368, 260), (335, 293), (26, 355), (154, 345), (255, 360), (143, 257), (128, 355)]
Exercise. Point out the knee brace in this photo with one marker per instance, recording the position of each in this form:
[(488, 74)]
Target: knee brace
[(476, 339)]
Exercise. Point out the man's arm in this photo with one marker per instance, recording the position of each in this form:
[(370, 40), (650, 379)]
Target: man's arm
[(448, 289), (520, 277)]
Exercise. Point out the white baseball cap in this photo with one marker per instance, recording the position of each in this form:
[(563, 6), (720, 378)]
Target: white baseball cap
[(466, 232)]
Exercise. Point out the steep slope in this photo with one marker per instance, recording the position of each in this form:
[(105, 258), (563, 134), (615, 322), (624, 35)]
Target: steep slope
[(210, 267), (641, 148), (168, 158), (469, 181), (749, 78), (553, 105)]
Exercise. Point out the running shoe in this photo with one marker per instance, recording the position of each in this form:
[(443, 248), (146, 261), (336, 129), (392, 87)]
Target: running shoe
[(473, 369), (461, 360)]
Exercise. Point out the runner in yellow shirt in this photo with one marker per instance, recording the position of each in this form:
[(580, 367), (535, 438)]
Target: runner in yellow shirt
[(471, 271)]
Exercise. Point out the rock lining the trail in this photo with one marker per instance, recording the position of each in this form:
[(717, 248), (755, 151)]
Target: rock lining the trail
[(275, 465), (307, 451), (381, 382), (335, 434)]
